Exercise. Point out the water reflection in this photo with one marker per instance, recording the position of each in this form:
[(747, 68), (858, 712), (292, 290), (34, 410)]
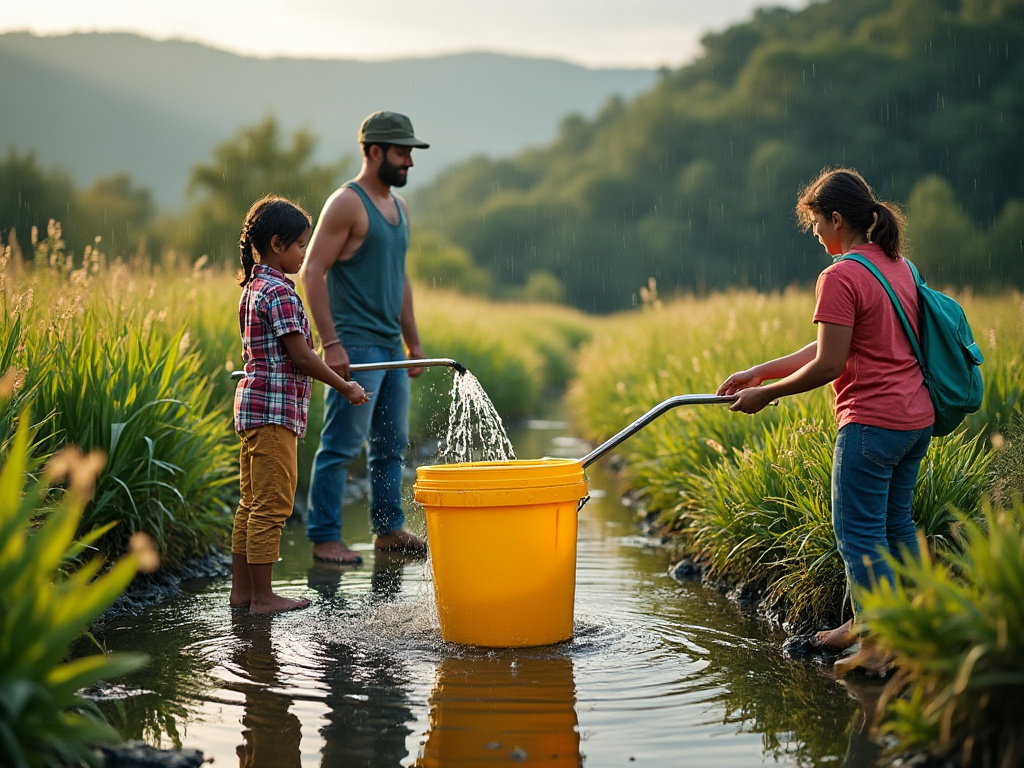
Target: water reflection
[(367, 707), (502, 707), (864, 751), (271, 733)]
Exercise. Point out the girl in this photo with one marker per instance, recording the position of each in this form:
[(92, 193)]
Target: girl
[(882, 406), (272, 400)]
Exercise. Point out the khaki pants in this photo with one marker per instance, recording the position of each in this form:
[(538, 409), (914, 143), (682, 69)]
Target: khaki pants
[(269, 473)]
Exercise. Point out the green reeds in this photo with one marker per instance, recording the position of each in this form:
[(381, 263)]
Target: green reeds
[(49, 594), (107, 371), (128, 386)]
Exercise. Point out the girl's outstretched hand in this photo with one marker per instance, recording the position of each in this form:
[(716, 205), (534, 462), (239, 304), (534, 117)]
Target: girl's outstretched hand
[(751, 400), (739, 380), (750, 396), (355, 394)]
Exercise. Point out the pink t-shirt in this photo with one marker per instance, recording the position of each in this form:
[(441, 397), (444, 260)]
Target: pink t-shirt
[(882, 384)]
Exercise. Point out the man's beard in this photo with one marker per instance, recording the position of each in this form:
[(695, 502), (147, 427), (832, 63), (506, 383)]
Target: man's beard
[(392, 175)]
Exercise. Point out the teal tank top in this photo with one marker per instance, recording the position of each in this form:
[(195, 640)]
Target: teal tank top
[(366, 289)]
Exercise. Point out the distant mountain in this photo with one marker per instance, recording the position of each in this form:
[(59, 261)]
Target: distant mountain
[(99, 103)]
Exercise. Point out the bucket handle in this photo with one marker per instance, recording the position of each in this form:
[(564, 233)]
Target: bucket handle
[(650, 416)]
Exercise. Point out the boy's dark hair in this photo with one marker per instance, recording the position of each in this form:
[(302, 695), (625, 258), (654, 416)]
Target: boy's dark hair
[(269, 216), (844, 190)]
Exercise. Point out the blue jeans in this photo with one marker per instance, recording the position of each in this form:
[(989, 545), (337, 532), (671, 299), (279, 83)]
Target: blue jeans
[(384, 420), (874, 471)]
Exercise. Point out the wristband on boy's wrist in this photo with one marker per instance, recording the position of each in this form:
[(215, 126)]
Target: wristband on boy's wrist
[(327, 344)]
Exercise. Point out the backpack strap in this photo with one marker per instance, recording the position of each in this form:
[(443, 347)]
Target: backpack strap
[(897, 304)]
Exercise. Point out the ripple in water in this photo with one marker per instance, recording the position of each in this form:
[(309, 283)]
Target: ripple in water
[(475, 430)]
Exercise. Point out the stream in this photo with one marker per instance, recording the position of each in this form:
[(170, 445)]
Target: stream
[(658, 673)]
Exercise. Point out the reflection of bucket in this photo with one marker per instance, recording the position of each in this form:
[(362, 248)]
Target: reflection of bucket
[(487, 710), (503, 548)]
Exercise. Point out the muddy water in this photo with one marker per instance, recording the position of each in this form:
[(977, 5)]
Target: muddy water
[(658, 673)]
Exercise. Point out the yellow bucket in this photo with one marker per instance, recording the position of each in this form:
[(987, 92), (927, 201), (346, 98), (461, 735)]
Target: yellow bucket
[(503, 548)]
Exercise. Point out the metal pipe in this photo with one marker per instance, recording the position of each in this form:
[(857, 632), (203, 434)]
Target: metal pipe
[(429, 362), (650, 416)]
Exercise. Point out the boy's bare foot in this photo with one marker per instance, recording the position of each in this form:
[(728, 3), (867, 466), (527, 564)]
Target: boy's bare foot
[(838, 639), (335, 552), (278, 604), (400, 540)]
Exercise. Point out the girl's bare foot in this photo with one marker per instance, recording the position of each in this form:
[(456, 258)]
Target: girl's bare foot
[(871, 660), (238, 601), (278, 604), (838, 639), (241, 582)]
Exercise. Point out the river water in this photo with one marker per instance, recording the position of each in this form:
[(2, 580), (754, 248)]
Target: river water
[(658, 673)]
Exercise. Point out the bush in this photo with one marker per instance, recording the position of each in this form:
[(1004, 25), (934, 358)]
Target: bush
[(132, 388), (48, 597)]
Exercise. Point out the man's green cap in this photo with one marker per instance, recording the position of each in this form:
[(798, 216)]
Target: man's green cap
[(389, 128)]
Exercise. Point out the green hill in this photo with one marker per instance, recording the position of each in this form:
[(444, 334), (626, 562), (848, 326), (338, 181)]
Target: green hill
[(101, 103), (693, 183)]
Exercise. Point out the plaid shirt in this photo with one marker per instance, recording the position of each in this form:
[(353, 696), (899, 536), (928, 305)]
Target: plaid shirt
[(273, 391)]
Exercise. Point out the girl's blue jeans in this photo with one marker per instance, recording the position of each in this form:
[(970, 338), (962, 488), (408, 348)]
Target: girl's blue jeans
[(873, 475), (384, 422)]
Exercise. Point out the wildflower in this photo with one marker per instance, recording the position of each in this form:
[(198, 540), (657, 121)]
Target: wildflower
[(81, 471)]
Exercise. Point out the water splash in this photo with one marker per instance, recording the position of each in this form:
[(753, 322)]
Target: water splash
[(475, 430)]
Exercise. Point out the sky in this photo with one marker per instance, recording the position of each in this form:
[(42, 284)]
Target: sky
[(595, 33)]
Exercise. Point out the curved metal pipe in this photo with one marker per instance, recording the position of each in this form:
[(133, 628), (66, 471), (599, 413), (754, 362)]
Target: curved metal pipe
[(651, 415)]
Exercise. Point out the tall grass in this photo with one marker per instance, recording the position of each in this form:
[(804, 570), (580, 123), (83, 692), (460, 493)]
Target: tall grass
[(111, 372), (136, 392), (766, 517)]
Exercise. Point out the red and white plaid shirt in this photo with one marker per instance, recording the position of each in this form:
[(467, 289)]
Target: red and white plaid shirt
[(273, 390)]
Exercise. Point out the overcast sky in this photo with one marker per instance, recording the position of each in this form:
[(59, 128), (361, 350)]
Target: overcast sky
[(645, 33)]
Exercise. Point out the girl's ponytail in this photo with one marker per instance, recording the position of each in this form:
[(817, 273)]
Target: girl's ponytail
[(246, 256), (887, 231)]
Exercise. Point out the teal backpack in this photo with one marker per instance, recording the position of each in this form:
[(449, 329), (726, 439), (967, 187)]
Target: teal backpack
[(947, 352)]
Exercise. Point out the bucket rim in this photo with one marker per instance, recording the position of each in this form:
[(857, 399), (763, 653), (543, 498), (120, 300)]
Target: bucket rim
[(504, 483)]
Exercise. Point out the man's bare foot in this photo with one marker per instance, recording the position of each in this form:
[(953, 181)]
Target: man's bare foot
[(400, 540), (278, 604), (335, 552), (838, 639)]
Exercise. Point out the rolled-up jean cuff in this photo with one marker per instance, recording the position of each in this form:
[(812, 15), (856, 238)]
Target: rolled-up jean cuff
[(268, 464)]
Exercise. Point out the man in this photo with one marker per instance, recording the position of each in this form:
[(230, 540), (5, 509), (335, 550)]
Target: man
[(360, 299)]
